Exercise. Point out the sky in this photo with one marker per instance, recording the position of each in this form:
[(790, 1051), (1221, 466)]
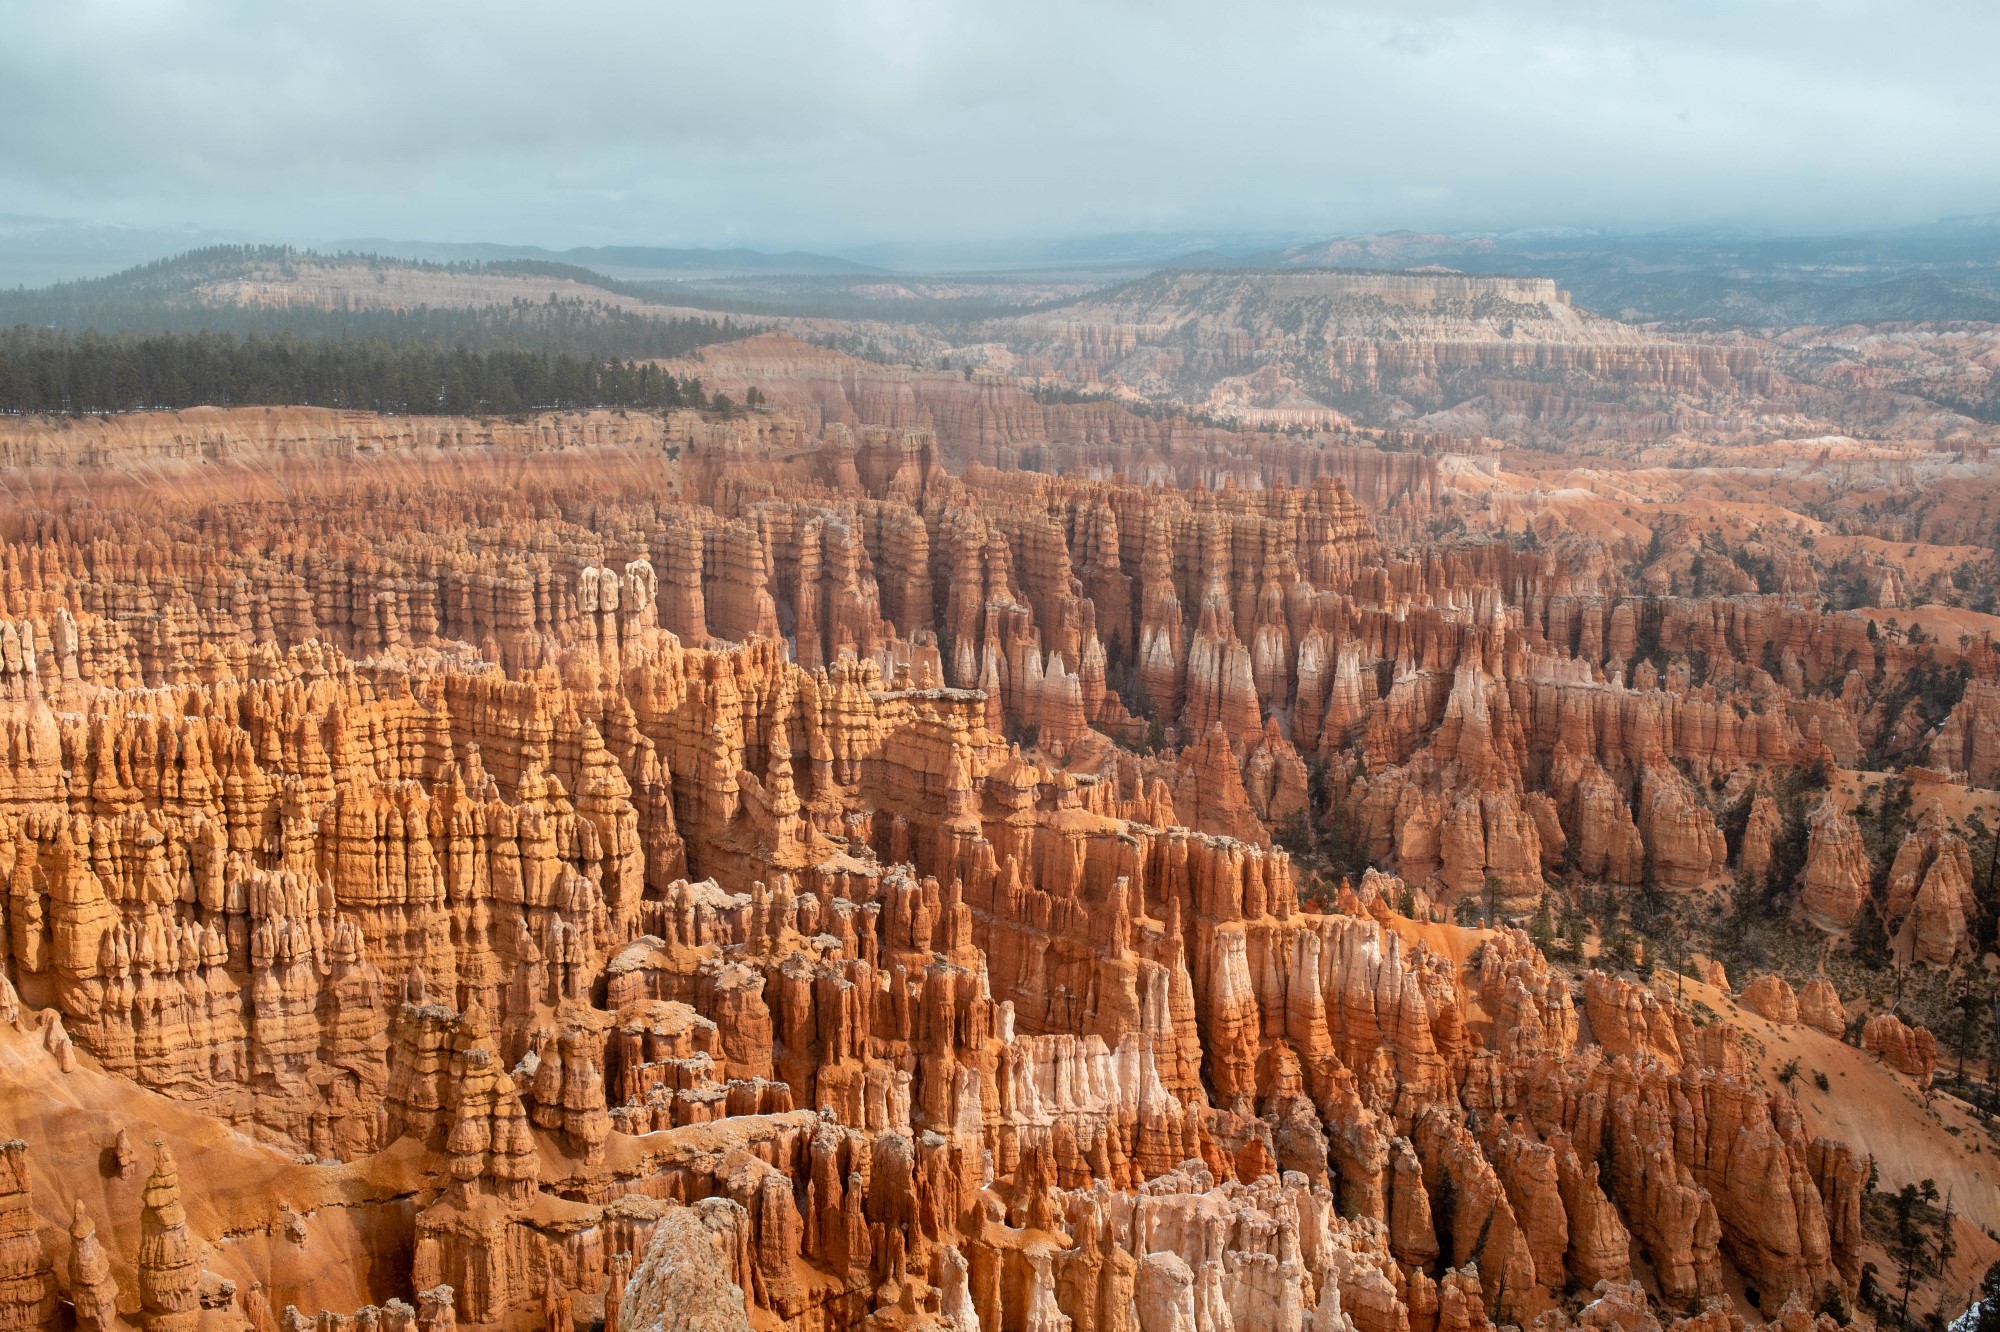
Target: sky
[(841, 124)]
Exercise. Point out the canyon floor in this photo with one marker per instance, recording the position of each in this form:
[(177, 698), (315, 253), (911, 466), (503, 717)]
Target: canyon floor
[(1446, 812)]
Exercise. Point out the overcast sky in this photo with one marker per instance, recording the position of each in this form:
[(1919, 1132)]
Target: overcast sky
[(824, 123)]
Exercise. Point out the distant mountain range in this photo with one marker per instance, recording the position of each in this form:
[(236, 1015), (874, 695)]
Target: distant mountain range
[(1946, 270), (1129, 250), (1943, 270), (38, 251), (1390, 250), (620, 261)]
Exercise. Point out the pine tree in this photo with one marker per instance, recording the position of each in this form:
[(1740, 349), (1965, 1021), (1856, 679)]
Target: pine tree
[(1916, 1245), (1542, 929), (1989, 1301)]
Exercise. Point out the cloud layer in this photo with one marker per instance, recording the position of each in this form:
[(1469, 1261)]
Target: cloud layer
[(831, 122)]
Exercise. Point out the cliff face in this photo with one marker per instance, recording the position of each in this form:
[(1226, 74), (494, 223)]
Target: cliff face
[(837, 893), (991, 420), (1381, 346), (218, 435)]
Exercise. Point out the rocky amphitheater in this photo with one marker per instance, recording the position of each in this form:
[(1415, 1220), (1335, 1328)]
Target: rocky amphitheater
[(855, 865)]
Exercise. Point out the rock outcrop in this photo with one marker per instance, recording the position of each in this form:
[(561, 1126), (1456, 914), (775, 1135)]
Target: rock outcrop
[(1372, 338), (93, 1292), (27, 1275), (830, 892), (683, 1283), (1911, 1051), (1835, 882), (1820, 1006), (1930, 890), (1772, 997), (169, 1264)]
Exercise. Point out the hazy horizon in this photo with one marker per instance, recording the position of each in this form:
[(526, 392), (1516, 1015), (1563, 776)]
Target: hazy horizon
[(37, 252), (902, 124)]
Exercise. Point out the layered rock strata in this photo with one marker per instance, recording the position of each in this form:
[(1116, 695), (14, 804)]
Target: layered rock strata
[(846, 897)]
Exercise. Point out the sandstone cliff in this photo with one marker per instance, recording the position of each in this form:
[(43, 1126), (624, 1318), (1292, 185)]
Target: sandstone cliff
[(834, 893)]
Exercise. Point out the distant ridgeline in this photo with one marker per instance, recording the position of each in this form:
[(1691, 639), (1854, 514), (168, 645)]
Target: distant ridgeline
[(54, 371), (167, 297)]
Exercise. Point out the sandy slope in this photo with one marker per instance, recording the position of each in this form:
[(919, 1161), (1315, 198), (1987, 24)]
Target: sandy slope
[(358, 1232)]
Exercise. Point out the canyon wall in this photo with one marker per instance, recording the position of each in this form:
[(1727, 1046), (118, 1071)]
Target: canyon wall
[(752, 876), (1383, 347)]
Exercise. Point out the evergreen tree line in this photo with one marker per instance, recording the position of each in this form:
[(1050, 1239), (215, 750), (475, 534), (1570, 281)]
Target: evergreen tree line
[(166, 297), (60, 372), (554, 328)]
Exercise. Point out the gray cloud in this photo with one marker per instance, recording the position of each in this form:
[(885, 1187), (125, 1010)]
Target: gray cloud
[(793, 122)]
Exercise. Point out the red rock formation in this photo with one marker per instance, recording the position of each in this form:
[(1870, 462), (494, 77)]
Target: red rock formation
[(27, 1277), (1763, 828), (1684, 845), (1819, 1006), (847, 895), (1835, 883), (1770, 997), (1911, 1051), (1969, 740), (683, 1285), (1379, 336), (169, 1265), (1930, 888)]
